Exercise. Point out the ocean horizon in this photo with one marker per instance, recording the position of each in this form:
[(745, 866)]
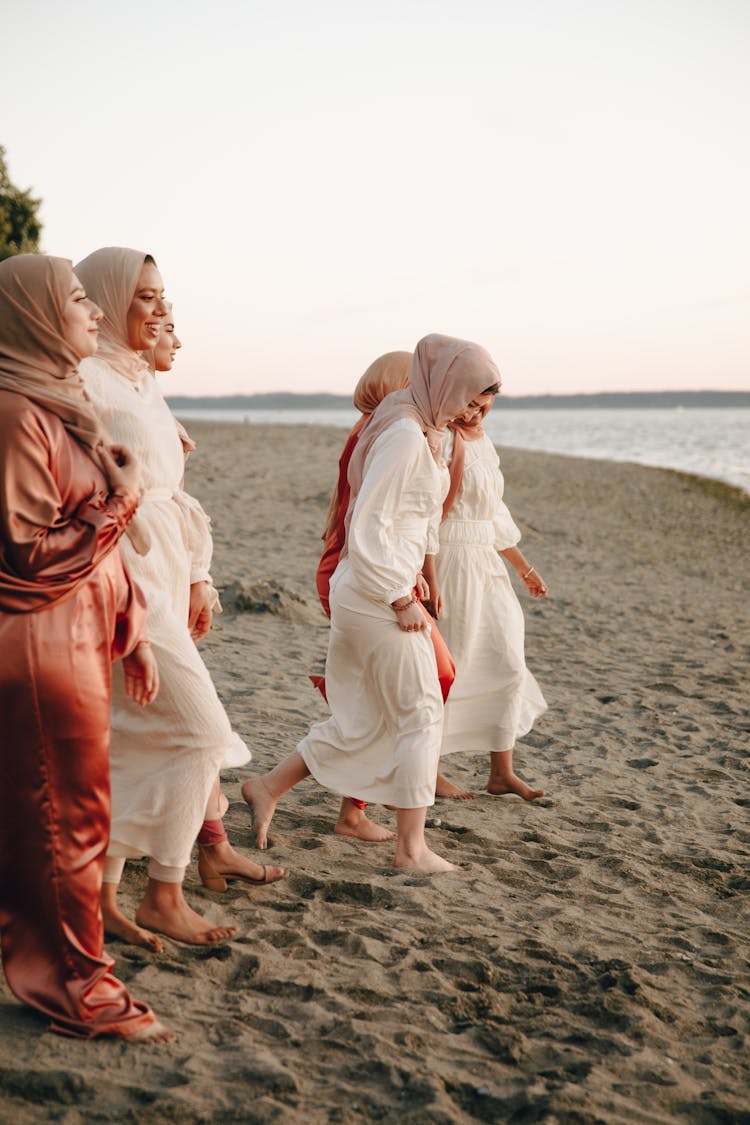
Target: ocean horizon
[(712, 442)]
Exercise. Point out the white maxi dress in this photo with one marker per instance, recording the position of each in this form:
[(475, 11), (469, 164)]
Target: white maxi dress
[(494, 699), (382, 741), (164, 757)]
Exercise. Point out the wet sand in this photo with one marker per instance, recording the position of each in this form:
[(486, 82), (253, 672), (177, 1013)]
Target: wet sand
[(590, 961)]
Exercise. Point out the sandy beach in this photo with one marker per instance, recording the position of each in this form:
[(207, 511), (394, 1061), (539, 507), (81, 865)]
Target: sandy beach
[(590, 962)]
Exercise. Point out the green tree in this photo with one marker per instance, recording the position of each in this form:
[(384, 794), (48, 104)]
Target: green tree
[(20, 227)]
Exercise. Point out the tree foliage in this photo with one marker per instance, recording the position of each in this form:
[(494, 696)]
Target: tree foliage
[(20, 227)]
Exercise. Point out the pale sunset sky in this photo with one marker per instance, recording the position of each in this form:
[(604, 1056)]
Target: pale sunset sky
[(564, 181)]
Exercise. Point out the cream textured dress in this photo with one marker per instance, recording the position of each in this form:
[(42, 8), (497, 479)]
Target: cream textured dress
[(494, 699), (382, 741), (164, 757)]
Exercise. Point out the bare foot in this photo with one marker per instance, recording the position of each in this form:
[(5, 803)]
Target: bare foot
[(445, 788), (353, 822), (168, 913), (263, 803), (424, 860), (218, 863), (156, 1032), (117, 925), (501, 786)]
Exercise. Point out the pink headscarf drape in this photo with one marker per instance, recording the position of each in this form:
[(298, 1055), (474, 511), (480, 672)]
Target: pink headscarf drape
[(444, 376)]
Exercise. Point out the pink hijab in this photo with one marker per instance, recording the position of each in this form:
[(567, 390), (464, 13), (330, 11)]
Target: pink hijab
[(35, 358), (444, 376), (109, 277)]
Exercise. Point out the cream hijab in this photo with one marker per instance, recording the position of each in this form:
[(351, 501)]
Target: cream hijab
[(445, 375), (35, 358), (110, 276)]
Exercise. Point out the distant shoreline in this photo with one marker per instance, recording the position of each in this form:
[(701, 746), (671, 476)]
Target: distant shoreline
[(612, 400)]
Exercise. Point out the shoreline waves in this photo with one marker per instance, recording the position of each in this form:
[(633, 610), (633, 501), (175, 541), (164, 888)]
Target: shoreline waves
[(588, 964)]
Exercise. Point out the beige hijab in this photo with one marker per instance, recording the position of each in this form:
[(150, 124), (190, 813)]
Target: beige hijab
[(110, 276), (35, 359), (444, 376)]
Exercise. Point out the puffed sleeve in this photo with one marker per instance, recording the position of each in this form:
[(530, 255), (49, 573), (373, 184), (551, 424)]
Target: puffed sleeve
[(200, 542), (506, 532), (41, 538), (392, 468)]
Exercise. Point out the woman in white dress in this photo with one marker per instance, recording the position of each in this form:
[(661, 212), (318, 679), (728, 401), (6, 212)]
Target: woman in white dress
[(382, 740), (494, 699), (218, 862), (164, 764)]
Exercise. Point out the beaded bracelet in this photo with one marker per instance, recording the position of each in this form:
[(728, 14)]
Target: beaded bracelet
[(400, 608)]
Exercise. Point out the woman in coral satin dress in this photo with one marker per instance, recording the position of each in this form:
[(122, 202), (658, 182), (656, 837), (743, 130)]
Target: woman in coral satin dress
[(67, 609)]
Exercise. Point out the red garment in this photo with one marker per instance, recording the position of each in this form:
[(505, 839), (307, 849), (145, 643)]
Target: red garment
[(329, 560), (67, 609)]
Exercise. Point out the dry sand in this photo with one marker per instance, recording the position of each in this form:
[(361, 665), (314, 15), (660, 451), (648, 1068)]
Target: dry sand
[(590, 962)]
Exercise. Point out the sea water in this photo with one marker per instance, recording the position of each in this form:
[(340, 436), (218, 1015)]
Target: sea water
[(711, 442)]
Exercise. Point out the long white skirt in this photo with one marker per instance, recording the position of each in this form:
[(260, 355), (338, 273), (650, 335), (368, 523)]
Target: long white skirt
[(382, 741), (165, 757), (494, 699)]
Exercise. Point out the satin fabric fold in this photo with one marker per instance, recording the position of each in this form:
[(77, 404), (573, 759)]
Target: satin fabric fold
[(55, 682)]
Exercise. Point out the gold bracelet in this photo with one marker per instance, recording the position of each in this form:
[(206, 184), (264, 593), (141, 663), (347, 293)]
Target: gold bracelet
[(528, 572)]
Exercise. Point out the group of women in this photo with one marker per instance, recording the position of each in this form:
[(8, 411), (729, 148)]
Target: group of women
[(104, 557)]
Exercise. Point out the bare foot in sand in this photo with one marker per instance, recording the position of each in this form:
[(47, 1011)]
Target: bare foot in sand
[(156, 1032), (263, 804), (117, 925), (218, 863), (423, 860), (445, 788), (164, 909), (353, 822), (502, 786)]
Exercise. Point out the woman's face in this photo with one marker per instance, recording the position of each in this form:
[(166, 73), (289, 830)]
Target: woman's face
[(478, 405), (80, 321), (147, 310), (166, 347)]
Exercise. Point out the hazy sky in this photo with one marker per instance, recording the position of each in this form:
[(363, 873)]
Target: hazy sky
[(564, 181)]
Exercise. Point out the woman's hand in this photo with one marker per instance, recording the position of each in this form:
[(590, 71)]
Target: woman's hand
[(433, 603), (411, 619), (121, 467), (141, 674), (534, 583), (431, 600), (422, 587), (200, 613)]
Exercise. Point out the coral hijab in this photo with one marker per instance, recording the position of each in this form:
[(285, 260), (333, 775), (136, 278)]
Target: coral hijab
[(387, 373), (462, 431), (35, 358), (110, 276)]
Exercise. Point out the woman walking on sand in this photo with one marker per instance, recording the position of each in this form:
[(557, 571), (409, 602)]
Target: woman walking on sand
[(164, 763), (388, 373), (382, 740), (67, 609), (494, 699)]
